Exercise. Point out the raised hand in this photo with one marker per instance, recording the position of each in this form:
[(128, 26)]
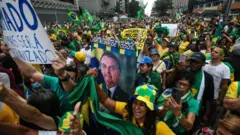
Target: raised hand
[(59, 64), (75, 124), (93, 72)]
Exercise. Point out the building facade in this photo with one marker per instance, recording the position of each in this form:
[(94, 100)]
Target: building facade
[(180, 5), (52, 10), (98, 6), (217, 6)]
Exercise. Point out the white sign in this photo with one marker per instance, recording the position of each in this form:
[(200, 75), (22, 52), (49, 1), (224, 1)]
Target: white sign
[(172, 29), (24, 33)]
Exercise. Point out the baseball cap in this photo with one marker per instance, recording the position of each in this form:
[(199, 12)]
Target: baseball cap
[(80, 56), (198, 56), (236, 50), (166, 39), (173, 44), (146, 60), (154, 51)]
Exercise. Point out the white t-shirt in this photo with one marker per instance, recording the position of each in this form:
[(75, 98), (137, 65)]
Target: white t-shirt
[(160, 67), (47, 132), (88, 55), (68, 61), (219, 73), (4, 78)]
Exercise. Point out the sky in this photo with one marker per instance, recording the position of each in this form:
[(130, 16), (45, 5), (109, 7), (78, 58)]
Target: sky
[(149, 7)]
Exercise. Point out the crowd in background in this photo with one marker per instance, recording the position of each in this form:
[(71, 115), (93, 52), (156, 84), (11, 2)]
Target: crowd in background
[(185, 85)]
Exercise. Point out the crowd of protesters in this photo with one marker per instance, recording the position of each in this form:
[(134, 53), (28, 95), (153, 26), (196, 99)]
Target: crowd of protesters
[(185, 85)]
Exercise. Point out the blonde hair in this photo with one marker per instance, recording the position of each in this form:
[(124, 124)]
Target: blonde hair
[(231, 123)]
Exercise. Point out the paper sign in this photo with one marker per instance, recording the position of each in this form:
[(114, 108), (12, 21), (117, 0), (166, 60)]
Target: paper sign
[(137, 34), (24, 33), (172, 29)]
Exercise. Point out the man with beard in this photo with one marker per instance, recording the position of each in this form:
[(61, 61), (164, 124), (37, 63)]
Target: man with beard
[(111, 71)]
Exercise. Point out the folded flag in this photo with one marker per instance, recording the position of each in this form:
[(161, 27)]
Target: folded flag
[(85, 92)]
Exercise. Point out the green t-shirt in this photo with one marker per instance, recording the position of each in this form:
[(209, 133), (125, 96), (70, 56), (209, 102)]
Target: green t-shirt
[(189, 105), (152, 79), (53, 84)]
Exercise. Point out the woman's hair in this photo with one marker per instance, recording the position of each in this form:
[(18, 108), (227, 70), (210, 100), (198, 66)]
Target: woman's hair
[(45, 101), (149, 126), (231, 123)]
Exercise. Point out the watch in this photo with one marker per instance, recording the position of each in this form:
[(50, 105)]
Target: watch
[(66, 78), (180, 117)]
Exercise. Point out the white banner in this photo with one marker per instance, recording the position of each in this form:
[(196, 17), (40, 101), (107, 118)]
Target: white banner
[(172, 29), (23, 32)]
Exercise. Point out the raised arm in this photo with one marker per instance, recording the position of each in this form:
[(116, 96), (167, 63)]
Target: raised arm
[(186, 122), (59, 66), (105, 100), (26, 112), (29, 70)]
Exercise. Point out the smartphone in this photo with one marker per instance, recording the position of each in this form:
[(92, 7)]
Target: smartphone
[(182, 58), (176, 94)]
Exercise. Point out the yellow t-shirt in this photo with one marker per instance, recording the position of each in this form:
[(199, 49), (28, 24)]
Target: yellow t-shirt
[(7, 115), (183, 46), (161, 51), (161, 127), (37, 67), (232, 91)]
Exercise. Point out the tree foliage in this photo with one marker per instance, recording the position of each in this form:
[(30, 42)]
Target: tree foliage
[(117, 9), (105, 4), (162, 6), (191, 5), (133, 8)]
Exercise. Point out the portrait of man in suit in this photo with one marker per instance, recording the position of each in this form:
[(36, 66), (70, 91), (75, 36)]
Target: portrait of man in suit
[(111, 71)]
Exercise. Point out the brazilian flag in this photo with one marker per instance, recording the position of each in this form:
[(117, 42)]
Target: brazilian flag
[(61, 32), (72, 17), (141, 12), (87, 17), (97, 27), (85, 91)]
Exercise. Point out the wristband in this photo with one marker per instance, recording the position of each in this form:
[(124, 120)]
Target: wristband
[(66, 78), (180, 117)]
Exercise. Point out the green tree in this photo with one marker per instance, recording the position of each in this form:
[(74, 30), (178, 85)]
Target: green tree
[(191, 5), (162, 6), (105, 4), (133, 8), (117, 9)]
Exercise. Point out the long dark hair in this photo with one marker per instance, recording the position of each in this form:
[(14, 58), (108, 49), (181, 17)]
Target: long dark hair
[(149, 126)]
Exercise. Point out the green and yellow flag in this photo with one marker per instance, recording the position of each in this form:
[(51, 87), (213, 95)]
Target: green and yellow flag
[(72, 17), (85, 92), (140, 13), (87, 16), (61, 32), (98, 27)]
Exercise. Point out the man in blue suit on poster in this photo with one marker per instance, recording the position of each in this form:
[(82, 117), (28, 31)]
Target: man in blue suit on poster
[(111, 72)]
